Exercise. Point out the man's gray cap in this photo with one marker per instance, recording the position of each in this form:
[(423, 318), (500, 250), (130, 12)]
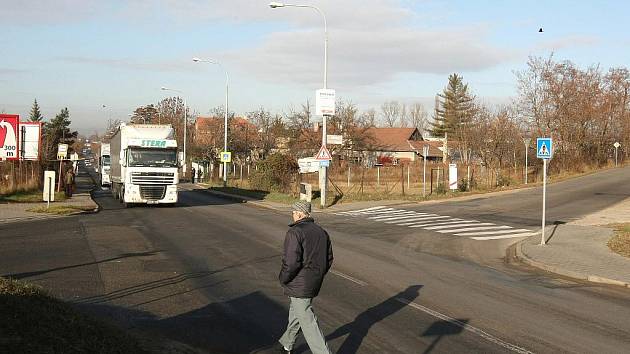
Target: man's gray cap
[(302, 206)]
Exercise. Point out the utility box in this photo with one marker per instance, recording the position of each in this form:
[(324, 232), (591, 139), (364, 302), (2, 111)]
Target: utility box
[(306, 192)]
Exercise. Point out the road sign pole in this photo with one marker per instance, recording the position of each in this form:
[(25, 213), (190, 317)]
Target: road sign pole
[(616, 149), (542, 241)]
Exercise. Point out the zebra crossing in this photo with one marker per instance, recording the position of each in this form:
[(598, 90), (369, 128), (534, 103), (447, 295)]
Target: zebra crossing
[(442, 224)]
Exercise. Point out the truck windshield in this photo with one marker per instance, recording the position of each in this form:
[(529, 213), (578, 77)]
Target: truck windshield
[(105, 159), (152, 158)]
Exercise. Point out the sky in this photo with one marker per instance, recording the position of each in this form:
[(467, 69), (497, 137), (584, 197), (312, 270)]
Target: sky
[(102, 59)]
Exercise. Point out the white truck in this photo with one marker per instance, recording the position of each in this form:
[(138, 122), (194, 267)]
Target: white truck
[(104, 164), (144, 166)]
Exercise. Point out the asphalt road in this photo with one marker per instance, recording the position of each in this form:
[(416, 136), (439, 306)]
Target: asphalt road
[(205, 273)]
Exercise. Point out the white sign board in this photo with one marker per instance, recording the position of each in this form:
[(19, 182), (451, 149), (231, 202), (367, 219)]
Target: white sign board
[(325, 102), (49, 186), (616, 144), (334, 139), (62, 151), (452, 176), (30, 140), (308, 165)]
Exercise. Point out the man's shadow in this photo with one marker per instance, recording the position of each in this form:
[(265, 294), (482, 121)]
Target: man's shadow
[(358, 329)]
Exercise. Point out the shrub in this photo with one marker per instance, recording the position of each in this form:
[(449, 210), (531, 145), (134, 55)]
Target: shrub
[(504, 181), (274, 174)]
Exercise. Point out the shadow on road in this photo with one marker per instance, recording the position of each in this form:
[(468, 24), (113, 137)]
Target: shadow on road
[(440, 329), (40, 272), (358, 329)]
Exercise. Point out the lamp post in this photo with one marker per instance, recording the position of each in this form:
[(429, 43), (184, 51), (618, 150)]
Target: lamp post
[(323, 176), (526, 141), (185, 124), (227, 100)]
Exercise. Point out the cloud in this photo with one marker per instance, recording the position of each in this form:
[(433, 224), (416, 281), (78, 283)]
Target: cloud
[(9, 71), (569, 42), (347, 14), (33, 12), (162, 66), (367, 57)]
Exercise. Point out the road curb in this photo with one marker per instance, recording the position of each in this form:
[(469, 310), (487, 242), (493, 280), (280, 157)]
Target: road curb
[(521, 256), (240, 199)]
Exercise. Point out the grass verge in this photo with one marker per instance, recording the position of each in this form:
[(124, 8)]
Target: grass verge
[(32, 196), (59, 209), (31, 321), (257, 194), (620, 242)]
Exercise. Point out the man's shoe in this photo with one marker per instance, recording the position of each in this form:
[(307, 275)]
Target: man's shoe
[(280, 349)]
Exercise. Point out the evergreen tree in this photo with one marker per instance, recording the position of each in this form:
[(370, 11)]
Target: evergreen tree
[(36, 114), (454, 107), (57, 131)]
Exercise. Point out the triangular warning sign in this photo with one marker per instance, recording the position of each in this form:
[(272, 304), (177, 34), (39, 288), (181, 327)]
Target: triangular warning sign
[(544, 151), (323, 154)]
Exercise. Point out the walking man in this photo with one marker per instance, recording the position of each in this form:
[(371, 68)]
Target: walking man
[(307, 258), (193, 176), (69, 181)]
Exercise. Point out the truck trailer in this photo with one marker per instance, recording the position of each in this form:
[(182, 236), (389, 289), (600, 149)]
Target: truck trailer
[(144, 167), (104, 164)]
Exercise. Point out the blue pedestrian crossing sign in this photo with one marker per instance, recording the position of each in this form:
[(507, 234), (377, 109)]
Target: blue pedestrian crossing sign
[(544, 148), (226, 156)]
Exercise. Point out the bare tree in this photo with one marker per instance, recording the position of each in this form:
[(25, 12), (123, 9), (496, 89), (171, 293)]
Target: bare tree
[(368, 118), (418, 117), (391, 113)]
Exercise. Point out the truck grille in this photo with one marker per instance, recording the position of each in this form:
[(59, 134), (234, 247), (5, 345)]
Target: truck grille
[(152, 192), (152, 178)]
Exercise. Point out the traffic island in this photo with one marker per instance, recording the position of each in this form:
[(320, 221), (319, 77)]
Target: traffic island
[(578, 252)]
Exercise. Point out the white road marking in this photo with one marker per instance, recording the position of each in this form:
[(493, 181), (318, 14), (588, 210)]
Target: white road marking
[(407, 213), (347, 277), (481, 333), (458, 225), (475, 229), (435, 222), (485, 238), (499, 232), (434, 218), (409, 216), (412, 220)]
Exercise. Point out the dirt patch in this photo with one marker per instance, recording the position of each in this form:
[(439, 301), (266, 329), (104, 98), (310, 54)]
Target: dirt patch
[(620, 242)]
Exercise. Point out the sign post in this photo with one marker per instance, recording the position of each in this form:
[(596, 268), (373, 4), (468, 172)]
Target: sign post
[(616, 145), (452, 176), (425, 153), (544, 149), (324, 106)]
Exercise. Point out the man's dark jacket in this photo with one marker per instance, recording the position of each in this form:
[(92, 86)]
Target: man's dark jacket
[(307, 258)]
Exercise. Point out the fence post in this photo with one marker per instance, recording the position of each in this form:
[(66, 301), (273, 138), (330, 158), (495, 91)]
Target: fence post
[(402, 178), (408, 175), (241, 173), (378, 176), (348, 175)]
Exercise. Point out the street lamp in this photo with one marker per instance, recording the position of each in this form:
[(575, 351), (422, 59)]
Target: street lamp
[(324, 170), (227, 100), (185, 124), (526, 141)]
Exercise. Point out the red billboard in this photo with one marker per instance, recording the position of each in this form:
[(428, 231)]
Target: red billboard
[(9, 148)]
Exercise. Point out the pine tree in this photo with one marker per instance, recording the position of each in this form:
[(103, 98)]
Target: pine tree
[(36, 114), (453, 107), (57, 131)]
